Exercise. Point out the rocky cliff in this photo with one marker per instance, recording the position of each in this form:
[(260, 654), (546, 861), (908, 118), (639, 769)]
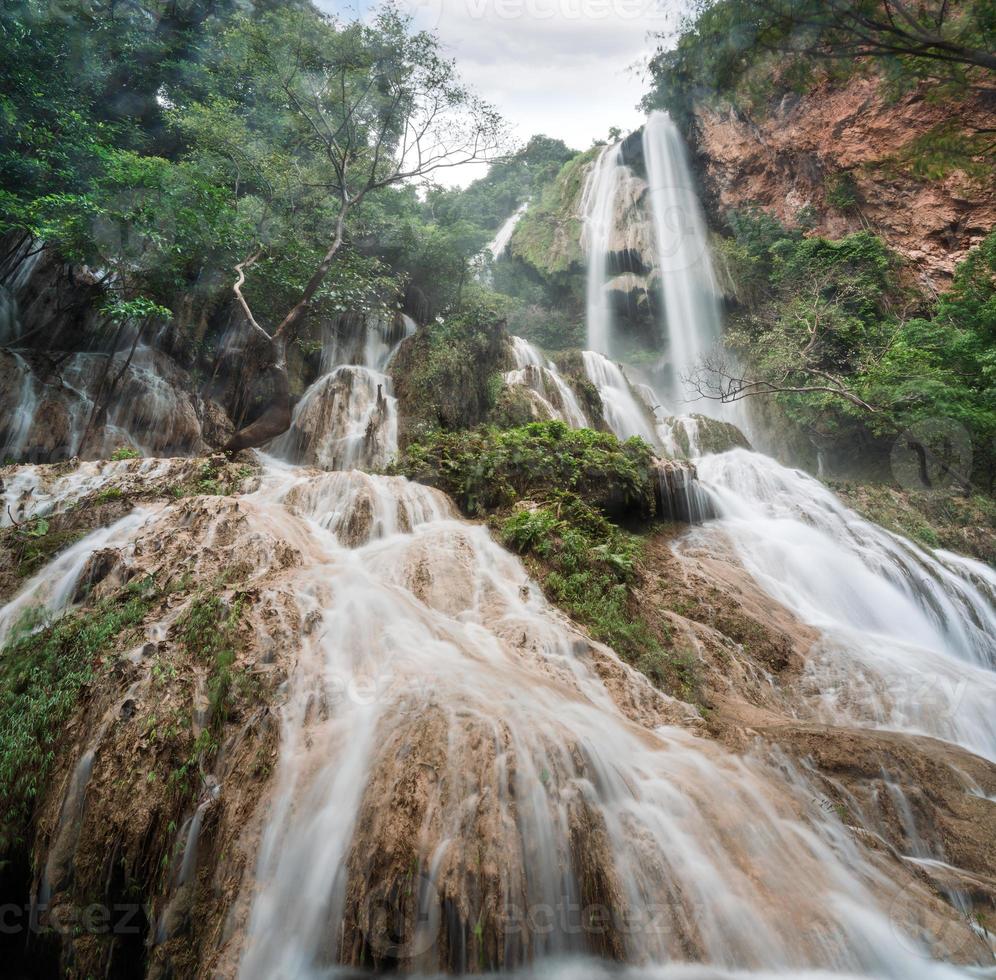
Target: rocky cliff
[(915, 170)]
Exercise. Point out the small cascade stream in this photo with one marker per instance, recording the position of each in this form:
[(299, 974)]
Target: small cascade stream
[(497, 246), (598, 208), (553, 396), (348, 417), (909, 637)]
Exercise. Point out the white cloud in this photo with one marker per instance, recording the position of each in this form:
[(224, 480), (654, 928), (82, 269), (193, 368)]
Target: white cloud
[(565, 68)]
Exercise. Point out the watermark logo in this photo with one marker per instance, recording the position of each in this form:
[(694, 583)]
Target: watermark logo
[(932, 454), (430, 14)]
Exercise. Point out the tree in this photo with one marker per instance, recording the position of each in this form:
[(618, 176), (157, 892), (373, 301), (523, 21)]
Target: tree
[(937, 30), (831, 340), (330, 113), (745, 50)]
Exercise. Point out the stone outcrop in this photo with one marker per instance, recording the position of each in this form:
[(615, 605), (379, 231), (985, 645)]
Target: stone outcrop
[(838, 155)]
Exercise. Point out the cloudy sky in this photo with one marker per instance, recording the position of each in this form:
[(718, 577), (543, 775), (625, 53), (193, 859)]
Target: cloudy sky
[(565, 68)]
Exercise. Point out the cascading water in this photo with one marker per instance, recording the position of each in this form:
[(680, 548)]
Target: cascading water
[(683, 258), (454, 751), (909, 637), (598, 208), (497, 246), (624, 413), (552, 396), (349, 416), (906, 637), (683, 272), (466, 782)]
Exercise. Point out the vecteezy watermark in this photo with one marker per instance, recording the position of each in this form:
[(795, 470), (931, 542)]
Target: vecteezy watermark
[(429, 13), (404, 921), (932, 454), (65, 919)]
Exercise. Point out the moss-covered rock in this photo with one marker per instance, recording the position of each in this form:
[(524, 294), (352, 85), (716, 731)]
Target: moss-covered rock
[(709, 435), (571, 366), (934, 519), (448, 374), (548, 237), (490, 468)]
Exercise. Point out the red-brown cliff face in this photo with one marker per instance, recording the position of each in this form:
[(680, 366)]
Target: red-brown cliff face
[(792, 159)]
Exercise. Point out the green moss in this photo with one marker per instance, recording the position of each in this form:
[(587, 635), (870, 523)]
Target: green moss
[(448, 374), (33, 544), (934, 519), (209, 631), (944, 150), (43, 673), (841, 191), (125, 452), (215, 477), (588, 563), (111, 493), (548, 236), (489, 468), (587, 566)]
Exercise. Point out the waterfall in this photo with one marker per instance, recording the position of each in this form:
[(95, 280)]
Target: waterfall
[(348, 417), (683, 260), (552, 396), (435, 669), (598, 208), (466, 781), (60, 413), (909, 637), (624, 413), (503, 236), (682, 271)]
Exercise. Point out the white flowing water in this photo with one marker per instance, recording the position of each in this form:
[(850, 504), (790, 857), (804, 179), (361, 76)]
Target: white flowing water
[(683, 259), (456, 754), (551, 394), (598, 209), (95, 402), (50, 591), (625, 414), (445, 727), (909, 637), (27, 492), (434, 667), (503, 236), (349, 416)]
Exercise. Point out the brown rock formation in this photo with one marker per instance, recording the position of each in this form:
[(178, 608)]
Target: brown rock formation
[(785, 162)]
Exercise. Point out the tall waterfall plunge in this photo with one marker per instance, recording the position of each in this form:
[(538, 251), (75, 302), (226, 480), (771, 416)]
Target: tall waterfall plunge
[(683, 259)]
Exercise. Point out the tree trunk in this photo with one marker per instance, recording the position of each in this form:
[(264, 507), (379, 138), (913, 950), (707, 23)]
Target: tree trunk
[(276, 419)]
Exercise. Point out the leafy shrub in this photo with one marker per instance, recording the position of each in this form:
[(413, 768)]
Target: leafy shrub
[(43, 673), (444, 375), (588, 563), (488, 468)]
